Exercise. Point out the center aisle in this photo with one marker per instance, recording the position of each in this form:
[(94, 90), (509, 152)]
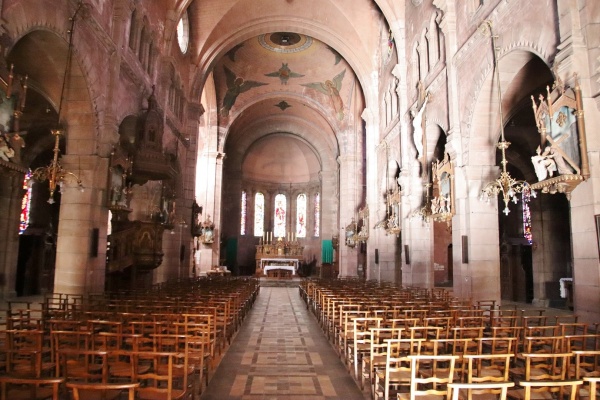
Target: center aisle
[(280, 352)]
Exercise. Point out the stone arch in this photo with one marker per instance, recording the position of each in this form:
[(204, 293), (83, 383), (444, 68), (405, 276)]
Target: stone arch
[(484, 117), (341, 45), (434, 41)]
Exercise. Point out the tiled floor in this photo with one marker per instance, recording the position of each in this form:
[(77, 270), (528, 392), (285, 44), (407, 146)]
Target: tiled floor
[(280, 352)]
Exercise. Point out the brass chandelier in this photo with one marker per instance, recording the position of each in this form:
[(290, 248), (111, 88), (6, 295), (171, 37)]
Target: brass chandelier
[(504, 185), (54, 173)]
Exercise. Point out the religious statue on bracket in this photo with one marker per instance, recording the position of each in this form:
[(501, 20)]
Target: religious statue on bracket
[(120, 186), (560, 161), (208, 229), (363, 229), (196, 220), (351, 234), (419, 123), (442, 203)]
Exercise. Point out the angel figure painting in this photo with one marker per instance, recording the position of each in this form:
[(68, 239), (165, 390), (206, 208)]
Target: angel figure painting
[(332, 89), (235, 86)]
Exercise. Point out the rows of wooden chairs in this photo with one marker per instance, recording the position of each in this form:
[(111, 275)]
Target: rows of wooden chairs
[(395, 340), (154, 344)]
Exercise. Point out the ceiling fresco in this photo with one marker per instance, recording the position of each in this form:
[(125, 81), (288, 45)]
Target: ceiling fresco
[(285, 72)]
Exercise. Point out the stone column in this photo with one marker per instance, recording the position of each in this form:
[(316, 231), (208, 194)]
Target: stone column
[(217, 201), (348, 210), (476, 254), (573, 58), (77, 271)]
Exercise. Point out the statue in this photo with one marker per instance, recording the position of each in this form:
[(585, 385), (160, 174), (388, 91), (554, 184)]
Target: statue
[(544, 163), (6, 152), (417, 113)]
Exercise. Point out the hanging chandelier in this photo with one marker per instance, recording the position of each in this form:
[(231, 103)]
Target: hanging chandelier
[(505, 185), (391, 222), (54, 173)]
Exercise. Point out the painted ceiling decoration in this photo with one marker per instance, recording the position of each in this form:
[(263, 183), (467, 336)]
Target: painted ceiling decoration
[(284, 73), (332, 89), (285, 42), (306, 69), (283, 105), (235, 86)]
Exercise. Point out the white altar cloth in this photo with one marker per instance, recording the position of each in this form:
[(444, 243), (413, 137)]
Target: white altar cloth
[(286, 267)]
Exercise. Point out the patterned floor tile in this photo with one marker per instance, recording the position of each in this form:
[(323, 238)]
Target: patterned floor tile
[(281, 353)]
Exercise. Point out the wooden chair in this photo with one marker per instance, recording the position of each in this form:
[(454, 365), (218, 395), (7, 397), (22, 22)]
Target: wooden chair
[(430, 377), (83, 365), (497, 345), (500, 389), (581, 342), (26, 354), (183, 370), (441, 322), (546, 390), (160, 382), (360, 345), (397, 366), (487, 367), (102, 391), (542, 366), (593, 382), (14, 388), (459, 348), (377, 354), (346, 333), (587, 363)]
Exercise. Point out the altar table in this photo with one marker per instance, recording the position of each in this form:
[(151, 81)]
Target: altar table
[(290, 264)]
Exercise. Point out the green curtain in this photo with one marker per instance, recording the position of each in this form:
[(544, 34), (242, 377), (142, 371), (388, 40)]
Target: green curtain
[(231, 254), (327, 252)]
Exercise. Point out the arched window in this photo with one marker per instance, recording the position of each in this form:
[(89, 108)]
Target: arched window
[(133, 31), (301, 215), (25, 204), (317, 207), (259, 214), (280, 212), (183, 32), (244, 210)]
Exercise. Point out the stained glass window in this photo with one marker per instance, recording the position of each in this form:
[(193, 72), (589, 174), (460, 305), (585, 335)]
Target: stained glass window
[(527, 216), (317, 214), (301, 215), (280, 210), (25, 204), (243, 214), (259, 214)]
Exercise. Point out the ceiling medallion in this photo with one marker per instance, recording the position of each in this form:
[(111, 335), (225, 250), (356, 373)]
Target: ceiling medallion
[(285, 42)]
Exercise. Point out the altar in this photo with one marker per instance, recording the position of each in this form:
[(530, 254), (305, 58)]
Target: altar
[(289, 264), (280, 254)]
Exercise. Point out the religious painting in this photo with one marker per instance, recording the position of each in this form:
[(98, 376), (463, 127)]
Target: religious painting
[(560, 162)]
